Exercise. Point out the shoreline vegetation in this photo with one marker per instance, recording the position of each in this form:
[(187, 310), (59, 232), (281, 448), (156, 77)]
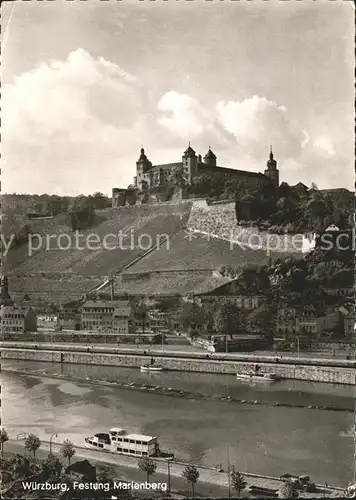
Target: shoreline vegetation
[(127, 466), (167, 391)]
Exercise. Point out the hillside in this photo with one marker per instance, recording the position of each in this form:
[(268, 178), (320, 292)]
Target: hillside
[(180, 264), (94, 259)]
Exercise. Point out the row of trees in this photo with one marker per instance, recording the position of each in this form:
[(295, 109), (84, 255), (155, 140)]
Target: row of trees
[(52, 468), (52, 205), (33, 443), (191, 475), (236, 480), (224, 319)]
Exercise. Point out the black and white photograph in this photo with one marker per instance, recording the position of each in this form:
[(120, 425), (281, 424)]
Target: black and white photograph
[(177, 249)]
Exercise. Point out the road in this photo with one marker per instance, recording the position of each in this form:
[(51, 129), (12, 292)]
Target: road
[(211, 482), (189, 349)]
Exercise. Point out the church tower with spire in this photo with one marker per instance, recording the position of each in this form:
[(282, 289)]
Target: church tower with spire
[(5, 299), (272, 171)]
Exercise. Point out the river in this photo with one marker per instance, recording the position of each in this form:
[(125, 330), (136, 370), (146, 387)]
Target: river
[(261, 439)]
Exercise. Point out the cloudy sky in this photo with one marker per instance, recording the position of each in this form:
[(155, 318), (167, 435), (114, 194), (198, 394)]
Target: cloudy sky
[(86, 83)]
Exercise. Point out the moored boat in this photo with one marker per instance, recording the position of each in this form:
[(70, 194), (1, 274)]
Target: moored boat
[(259, 377), (150, 368), (119, 441)]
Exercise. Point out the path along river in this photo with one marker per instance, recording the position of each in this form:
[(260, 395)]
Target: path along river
[(261, 439)]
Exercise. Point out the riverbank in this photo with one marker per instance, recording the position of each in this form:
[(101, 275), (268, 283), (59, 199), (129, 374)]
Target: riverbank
[(168, 391), (210, 481), (326, 371)]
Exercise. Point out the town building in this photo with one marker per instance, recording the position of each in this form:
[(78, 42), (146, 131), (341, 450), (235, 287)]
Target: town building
[(286, 325), (69, 321), (48, 322), (14, 319), (192, 166), (246, 302), (158, 321), (306, 321), (348, 314), (111, 316)]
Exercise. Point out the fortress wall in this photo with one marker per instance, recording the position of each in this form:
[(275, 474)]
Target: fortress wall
[(219, 221)]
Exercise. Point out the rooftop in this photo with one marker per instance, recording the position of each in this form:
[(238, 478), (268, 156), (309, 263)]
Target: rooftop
[(116, 304)]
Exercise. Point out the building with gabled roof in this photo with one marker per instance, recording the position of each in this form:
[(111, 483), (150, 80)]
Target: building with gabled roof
[(14, 319), (109, 316)]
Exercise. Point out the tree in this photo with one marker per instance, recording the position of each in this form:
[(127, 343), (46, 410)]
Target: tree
[(228, 320), (260, 320), (67, 450), (100, 201), (147, 465), (32, 443), (191, 475), (178, 178), (3, 438), (288, 490), (52, 467), (107, 477), (238, 482), (191, 316)]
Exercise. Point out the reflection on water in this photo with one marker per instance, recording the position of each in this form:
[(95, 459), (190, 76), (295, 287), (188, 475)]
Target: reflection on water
[(262, 439)]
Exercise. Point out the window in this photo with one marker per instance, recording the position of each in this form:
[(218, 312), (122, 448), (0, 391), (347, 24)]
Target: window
[(100, 445), (144, 453), (125, 450), (119, 449)]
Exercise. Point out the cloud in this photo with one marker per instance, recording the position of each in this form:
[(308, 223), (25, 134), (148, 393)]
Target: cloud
[(76, 126), (69, 119), (182, 114), (256, 121), (324, 146)]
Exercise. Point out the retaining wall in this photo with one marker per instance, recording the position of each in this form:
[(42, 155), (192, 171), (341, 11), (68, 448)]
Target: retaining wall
[(328, 374)]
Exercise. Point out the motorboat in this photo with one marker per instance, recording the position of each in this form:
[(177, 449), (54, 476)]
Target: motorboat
[(151, 368), (257, 376)]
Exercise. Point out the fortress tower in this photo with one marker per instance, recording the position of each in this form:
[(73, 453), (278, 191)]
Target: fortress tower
[(210, 158), (190, 163), (272, 171), (143, 166)]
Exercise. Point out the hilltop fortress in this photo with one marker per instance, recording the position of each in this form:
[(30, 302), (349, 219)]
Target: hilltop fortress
[(192, 166)]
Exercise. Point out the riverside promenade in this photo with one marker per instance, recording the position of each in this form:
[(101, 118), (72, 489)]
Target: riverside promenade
[(211, 480)]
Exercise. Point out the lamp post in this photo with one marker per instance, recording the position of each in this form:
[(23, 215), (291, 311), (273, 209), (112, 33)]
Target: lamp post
[(169, 476), (228, 470), (50, 442)]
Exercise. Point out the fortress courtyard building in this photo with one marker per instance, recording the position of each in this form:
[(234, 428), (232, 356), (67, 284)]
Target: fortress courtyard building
[(194, 166)]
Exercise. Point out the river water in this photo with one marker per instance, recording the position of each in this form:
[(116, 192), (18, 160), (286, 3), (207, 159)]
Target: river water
[(261, 439)]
